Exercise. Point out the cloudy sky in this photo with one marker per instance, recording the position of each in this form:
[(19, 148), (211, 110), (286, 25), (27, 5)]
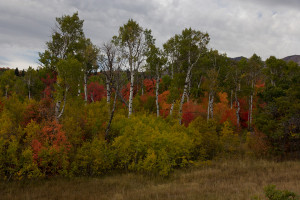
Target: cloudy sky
[(236, 27)]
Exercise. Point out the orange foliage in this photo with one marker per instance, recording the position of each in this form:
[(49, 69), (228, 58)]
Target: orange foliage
[(222, 111), (165, 107)]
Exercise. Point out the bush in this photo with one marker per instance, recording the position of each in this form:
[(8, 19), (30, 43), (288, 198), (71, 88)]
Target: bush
[(273, 194), (149, 144)]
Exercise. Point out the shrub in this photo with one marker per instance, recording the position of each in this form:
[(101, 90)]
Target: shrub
[(149, 144)]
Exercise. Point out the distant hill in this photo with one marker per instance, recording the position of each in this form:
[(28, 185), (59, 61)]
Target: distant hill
[(295, 58), (237, 59)]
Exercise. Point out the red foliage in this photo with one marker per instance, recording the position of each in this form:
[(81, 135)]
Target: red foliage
[(244, 112), (187, 118), (95, 92), (150, 85), (53, 134), (49, 81), (32, 113), (190, 110), (36, 146)]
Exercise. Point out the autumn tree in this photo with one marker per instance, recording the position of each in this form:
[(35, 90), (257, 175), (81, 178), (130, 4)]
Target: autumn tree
[(192, 44), (68, 44), (155, 60), (131, 40)]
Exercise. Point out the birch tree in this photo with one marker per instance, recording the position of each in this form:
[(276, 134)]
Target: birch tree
[(155, 62), (66, 43), (171, 50), (30, 79), (90, 55), (192, 46), (108, 60), (131, 40), (254, 70)]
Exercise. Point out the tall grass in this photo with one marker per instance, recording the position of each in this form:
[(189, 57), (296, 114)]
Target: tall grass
[(226, 179)]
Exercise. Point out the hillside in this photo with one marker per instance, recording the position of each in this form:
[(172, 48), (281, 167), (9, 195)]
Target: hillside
[(295, 58)]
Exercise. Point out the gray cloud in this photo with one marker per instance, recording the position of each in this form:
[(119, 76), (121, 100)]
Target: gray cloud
[(268, 27)]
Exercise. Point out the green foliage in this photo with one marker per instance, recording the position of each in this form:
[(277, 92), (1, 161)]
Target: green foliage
[(229, 140), (148, 144), (205, 139), (273, 194), (93, 158)]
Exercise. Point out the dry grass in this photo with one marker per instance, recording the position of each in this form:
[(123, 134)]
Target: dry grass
[(237, 179)]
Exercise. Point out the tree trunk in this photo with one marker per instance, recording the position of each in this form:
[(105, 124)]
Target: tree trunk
[(6, 92), (172, 107), (111, 116), (58, 113), (184, 92), (210, 107), (79, 91), (28, 85), (131, 94), (237, 104), (85, 87), (108, 92)]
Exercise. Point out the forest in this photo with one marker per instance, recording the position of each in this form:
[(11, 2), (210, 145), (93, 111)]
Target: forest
[(131, 106)]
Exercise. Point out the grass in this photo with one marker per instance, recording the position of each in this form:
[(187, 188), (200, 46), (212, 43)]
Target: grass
[(227, 179)]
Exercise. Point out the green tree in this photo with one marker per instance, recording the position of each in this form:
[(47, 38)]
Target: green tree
[(131, 40)]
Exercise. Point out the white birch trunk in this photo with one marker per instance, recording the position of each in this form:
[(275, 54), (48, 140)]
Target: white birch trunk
[(184, 92), (79, 91), (172, 108), (210, 107), (131, 94), (108, 92)]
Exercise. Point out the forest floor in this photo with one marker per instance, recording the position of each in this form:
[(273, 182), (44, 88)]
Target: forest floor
[(223, 179)]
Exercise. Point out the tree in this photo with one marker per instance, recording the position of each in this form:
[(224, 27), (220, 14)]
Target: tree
[(68, 44), (155, 62), (131, 40), (171, 49), (7, 81), (253, 73), (90, 55), (192, 44), (17, 73), (30, 79), (108, 60), (69, 74)]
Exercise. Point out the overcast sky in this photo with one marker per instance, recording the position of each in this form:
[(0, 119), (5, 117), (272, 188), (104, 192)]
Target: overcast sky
[(236, 27)]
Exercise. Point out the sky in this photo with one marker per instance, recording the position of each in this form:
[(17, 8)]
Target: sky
[(236, 27)]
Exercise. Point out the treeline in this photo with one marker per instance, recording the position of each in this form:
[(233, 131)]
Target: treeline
[(129, 105)]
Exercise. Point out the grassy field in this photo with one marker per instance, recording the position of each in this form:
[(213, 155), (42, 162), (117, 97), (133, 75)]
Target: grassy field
[(236, 179)]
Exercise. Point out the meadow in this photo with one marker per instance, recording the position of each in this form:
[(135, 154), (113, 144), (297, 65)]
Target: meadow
[(220, 179)]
